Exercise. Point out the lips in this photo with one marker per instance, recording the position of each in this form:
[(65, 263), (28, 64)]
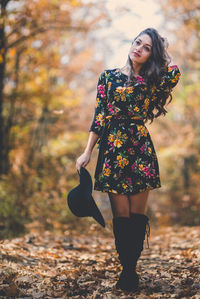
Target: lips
[(136, 54)]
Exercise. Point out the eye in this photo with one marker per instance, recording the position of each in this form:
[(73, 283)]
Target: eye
[(137, 42), (147, 48)]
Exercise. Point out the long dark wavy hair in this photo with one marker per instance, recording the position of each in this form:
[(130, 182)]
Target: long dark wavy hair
[(153, 70)]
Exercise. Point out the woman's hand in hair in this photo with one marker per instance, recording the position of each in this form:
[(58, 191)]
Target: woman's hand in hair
[(165, 41)]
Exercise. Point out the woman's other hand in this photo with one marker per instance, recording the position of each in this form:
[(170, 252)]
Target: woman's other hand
[(83, 160)]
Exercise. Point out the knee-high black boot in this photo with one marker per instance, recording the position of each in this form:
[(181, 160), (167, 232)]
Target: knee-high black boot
[(129, 238), (128, 279), (139, 226)]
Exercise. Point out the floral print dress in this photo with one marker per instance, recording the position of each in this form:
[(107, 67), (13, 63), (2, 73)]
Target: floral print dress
[(127, 161)]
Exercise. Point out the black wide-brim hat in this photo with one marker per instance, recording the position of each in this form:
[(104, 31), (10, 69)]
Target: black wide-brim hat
[(80, 200)]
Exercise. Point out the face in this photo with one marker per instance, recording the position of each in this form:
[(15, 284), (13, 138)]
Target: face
[(141, 49)]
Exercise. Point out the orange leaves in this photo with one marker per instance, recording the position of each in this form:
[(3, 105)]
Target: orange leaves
[(75, 265)]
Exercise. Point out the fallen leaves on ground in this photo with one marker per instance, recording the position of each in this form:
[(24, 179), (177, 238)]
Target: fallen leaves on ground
[(49, 265)]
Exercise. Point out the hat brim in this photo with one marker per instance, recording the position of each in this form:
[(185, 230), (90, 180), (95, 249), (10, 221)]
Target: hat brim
[(84, 190), (96, 214)]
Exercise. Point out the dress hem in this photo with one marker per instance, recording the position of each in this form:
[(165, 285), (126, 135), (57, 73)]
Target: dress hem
[(126, 193)]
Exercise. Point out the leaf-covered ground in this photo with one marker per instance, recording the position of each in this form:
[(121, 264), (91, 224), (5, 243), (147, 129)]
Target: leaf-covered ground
[(69, 265)]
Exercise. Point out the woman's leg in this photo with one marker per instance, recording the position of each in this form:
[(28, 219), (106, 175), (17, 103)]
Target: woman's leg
[(128, 279), (138, 202), (119, 204), (138, 222)]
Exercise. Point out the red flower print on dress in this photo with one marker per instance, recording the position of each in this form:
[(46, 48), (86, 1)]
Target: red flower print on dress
[(173, 66), (129, 180), (133, 166), (110, 107), (146, 170), (140, 79), (143, 148), (101, 90)]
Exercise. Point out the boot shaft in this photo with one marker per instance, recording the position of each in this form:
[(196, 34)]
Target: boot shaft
[(121, 231), (140, 227), (129, 233)]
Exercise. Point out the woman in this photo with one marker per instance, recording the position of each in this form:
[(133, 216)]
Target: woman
[(127, 166)]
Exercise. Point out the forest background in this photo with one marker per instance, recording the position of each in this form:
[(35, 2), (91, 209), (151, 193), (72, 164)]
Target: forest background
[(51, 54)]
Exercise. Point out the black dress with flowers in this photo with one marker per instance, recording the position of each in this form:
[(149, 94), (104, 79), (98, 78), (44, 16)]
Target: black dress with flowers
[(127, 161)]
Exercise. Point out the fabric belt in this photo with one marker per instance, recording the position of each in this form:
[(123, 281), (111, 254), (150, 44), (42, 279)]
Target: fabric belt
[(105, 132)]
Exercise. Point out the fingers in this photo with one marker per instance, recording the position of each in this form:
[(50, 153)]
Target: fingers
[(78, 167), (81, 162)]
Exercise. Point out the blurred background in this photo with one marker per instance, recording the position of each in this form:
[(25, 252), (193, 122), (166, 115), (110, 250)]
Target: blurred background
[(51, 55)]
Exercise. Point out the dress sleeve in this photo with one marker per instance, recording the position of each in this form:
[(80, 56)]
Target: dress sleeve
[(167, 83), (100, 107)]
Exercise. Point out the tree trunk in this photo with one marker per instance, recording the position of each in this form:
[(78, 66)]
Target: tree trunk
[(2, 72)]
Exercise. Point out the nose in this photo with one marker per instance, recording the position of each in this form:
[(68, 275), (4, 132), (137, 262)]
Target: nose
[(139, 48)]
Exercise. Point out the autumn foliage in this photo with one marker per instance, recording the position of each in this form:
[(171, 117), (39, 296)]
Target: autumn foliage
[(46, 50)]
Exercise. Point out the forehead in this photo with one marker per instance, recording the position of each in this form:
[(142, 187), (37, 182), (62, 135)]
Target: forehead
[(145, 38)]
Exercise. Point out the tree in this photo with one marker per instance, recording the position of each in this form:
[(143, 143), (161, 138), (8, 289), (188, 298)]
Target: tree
[(47, 47), (180, 151), (22, 23)]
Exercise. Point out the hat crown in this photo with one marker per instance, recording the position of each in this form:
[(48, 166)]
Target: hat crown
[(85, 180)]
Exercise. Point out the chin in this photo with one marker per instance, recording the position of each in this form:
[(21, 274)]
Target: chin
[(135, 59)]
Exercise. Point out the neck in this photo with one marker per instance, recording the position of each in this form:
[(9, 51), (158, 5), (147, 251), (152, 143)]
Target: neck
[(136, 68)]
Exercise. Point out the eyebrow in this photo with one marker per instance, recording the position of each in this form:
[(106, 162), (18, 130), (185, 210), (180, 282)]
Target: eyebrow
[(146, 44)]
